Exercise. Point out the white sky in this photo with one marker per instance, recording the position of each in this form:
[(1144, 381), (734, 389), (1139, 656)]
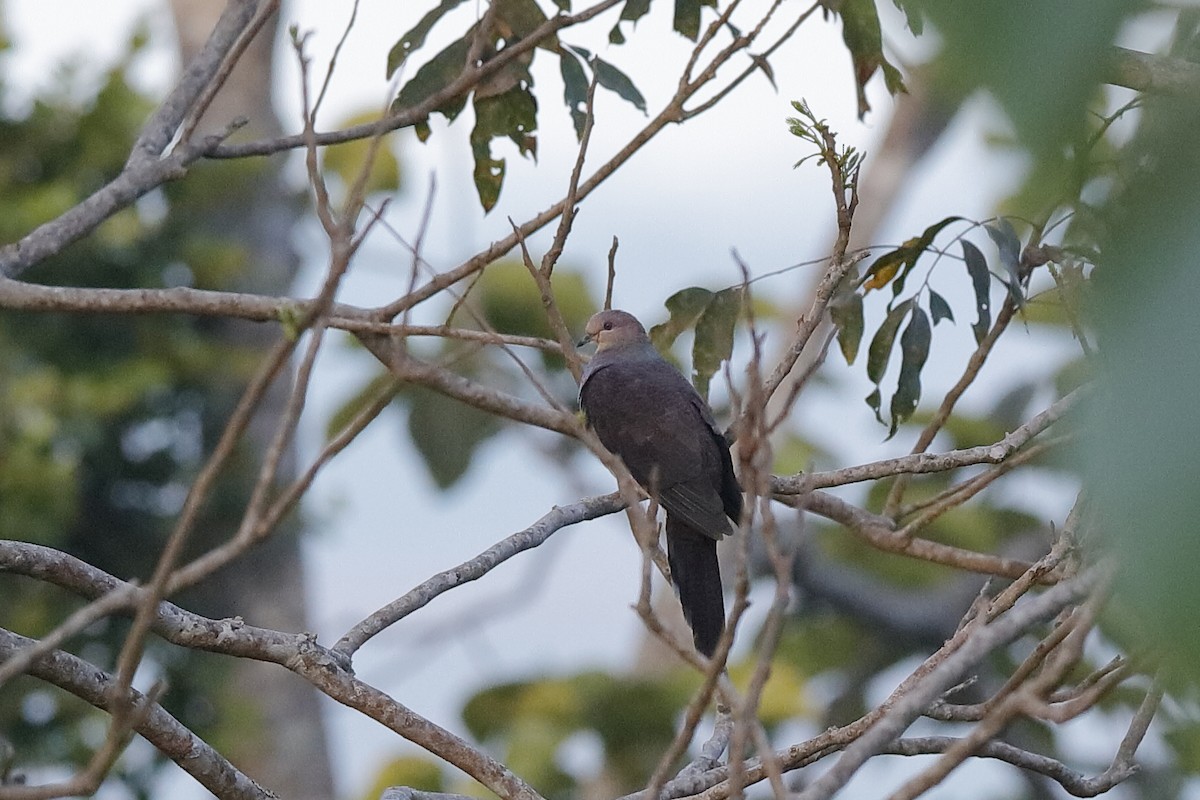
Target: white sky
[(720, 182)]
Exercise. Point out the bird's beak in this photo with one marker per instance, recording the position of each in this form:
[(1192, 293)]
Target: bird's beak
[(587, 338)]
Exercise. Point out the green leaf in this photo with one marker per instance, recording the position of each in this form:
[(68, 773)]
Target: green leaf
[(914, 351), (516, 19), (939, 308), (415, 37), (615, 36), (575, 89), (714, 336), (880, 349), (435, 75), (846, 312), (614, 80), (1009, 245), (981, 280), (685, 307), (446, 433), (912, 16), (633, 10), (512, 114), (687, 18), (874, 399), (864, 40)]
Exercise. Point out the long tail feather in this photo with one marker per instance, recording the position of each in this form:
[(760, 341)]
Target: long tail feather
[(697, 575)]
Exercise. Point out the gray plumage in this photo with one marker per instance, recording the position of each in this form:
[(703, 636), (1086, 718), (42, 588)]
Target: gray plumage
[(647, 413)]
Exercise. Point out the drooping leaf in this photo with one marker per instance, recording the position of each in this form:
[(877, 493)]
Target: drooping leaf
[(446, 433), (864, 40), (614, 80), (939, 308), (512, 114), (687, 18), (874, 400), (435, 75), (633, 10), (880, 349), (615, 36), (516, 19), (896, 264), (914, 351), (1009, 246), (575, 89), (714, 336), (685, 307), (981, 281), (763, 64), (846, 311), (415, 36)]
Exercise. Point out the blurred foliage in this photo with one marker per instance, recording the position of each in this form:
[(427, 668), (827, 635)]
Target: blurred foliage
[(104, 423), (347, 160), (1141, 451), (447, 433)]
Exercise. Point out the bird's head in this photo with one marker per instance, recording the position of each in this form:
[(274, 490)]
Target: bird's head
[(614, 328)]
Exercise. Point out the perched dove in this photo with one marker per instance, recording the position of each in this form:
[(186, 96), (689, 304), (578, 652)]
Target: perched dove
[(644, 411)]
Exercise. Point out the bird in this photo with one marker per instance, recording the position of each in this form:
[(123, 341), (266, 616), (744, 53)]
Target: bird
[(644, 411)]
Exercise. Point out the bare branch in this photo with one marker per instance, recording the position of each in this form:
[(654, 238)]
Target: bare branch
[(557, 519), (162, 730)]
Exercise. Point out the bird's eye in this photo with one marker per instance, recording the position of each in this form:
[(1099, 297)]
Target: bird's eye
[(608, 326)]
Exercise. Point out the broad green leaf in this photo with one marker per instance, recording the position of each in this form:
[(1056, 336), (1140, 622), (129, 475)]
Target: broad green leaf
[(633, 10), (939, 308), (846, 312), (880, 349), (415, 37), (914, 350), (614, 80), (446, 433), (512, 114), (714, 336), (516, 19), (687, 18), (435, 75), (981, 281), (575, 89), (685, 307), (861, 33)]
